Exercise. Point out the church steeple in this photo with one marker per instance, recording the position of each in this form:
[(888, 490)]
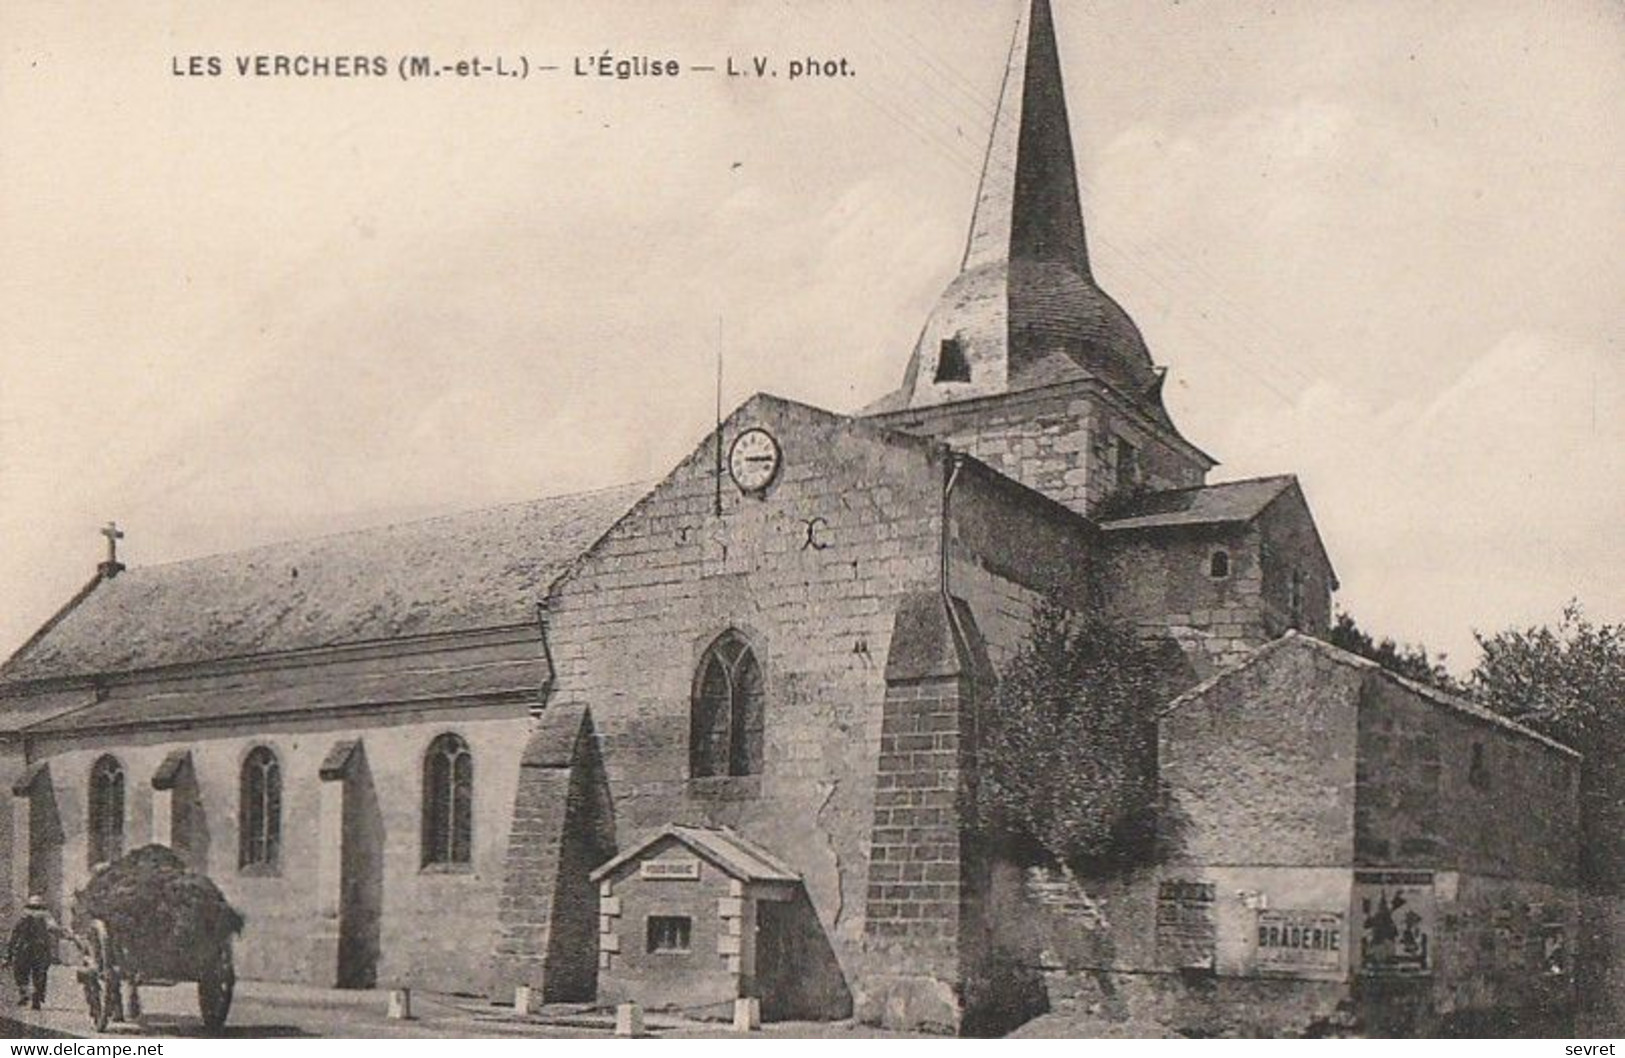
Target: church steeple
[(1025, 310), (1027, 206)]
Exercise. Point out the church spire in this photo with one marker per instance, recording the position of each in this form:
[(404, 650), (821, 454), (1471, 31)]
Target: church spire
[(1027, 207), (1025, 311)]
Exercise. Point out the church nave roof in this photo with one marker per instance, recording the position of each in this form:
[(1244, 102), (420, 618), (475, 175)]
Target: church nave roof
[(457, 573)]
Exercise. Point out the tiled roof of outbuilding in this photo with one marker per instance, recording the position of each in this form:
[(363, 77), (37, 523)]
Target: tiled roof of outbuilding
[(726, 848), (462, 572), (1227, 503)]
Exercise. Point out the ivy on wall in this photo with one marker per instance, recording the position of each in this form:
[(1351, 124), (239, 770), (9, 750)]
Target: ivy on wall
[(1068, 753)]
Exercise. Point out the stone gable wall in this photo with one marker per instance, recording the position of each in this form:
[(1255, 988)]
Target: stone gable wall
[(1286, 543), (1261, 767), (811, 574)]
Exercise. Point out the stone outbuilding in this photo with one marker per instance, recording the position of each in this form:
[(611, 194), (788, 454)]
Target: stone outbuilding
[(693, 918), (1336, 844)]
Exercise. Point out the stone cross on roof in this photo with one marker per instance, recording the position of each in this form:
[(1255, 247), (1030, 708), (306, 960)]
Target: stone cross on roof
[(114, 534)]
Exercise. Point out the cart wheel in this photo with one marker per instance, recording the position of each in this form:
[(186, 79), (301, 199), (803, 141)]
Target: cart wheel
[(101, 982), (214, 990), (93, 998)]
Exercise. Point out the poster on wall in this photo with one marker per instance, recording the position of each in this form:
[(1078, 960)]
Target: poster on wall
[(1300, 943), (1394, 910), (1554, 949), (1186, 932)]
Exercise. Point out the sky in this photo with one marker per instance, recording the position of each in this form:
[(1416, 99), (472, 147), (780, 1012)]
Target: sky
[(1376, 243)]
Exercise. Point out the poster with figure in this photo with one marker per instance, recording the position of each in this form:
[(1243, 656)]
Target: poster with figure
[(1395, 913)]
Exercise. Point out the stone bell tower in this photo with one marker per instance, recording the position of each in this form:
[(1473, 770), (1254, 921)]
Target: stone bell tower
[(1026, 362)]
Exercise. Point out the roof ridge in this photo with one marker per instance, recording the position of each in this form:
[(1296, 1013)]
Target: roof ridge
[(1457, 702)]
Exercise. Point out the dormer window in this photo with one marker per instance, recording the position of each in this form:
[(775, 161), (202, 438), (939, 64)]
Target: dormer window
[(952, 364), (1218, 565)]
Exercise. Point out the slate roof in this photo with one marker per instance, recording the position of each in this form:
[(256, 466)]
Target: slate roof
[(725, 848), (1025, 308), (461, 572), (1230, 502)]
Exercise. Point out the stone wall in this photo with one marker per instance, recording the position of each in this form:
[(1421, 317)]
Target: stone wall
[(1162, 579), (1434, 790), (1059, 440), (1601, 973), (436, 928), (13, 860), (1009, 549), (1602, 877), (1503, 944), (1260, 764), (811, 574), (1162, 582), (1435, 785), (1311, 781), (918, 889), (1288, 544)]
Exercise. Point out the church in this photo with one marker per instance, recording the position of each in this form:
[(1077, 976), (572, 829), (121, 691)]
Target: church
[(711, 739)]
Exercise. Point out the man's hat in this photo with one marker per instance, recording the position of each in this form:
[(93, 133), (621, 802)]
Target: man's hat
[(35, 903)]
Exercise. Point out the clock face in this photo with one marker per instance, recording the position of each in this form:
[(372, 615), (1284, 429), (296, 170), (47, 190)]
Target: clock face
[(753, 461)]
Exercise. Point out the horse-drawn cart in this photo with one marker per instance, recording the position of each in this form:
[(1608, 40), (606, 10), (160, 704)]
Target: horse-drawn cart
[(147, 920)]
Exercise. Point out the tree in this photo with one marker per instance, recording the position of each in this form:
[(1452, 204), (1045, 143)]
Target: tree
[(1412, 662), (1069, 755), (1567, 682)]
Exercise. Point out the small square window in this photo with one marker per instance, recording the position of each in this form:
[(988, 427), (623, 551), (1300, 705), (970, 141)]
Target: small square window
[(670, 933)]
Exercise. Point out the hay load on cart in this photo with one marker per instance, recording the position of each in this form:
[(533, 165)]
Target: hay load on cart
[(148, 919)]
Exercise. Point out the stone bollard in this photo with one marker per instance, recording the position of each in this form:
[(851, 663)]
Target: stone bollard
[(629, 1020), (747, 1014), (526, 1000), (400, 1004)]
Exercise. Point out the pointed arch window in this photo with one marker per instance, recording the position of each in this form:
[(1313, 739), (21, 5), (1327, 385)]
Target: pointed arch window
[(259, 810), (448, 802), (106, 829), (725, 720)]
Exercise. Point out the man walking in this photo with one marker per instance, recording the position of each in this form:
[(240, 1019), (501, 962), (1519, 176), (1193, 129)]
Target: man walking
[(29, 950)]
